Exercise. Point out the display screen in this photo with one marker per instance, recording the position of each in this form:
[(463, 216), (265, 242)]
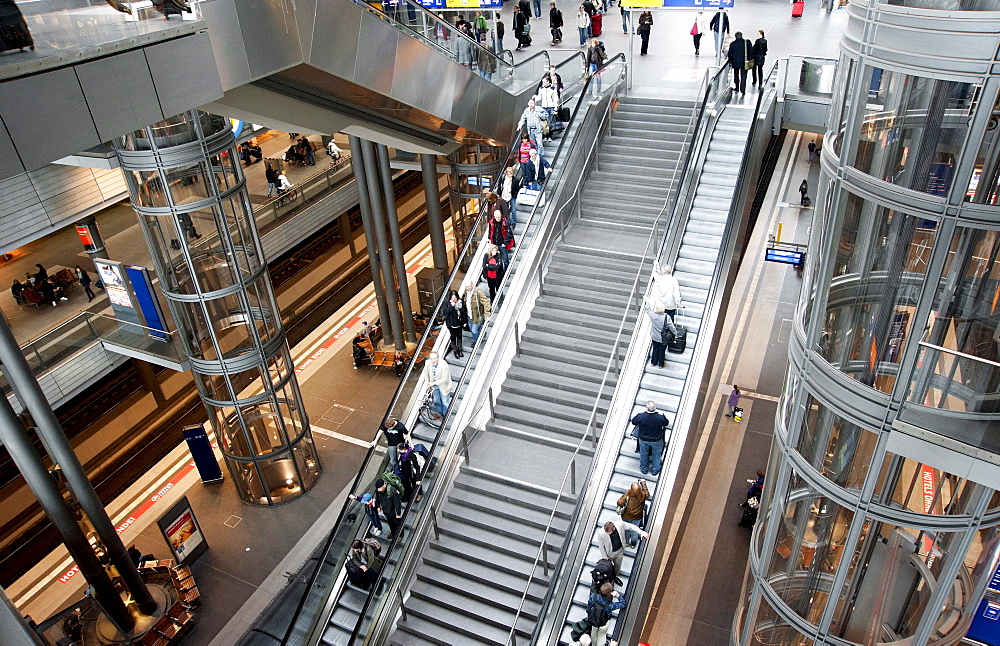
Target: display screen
[(784, 256), (183, 535)]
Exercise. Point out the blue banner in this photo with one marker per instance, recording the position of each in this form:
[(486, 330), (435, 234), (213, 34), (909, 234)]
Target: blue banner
[(149, 305), (201, 451), (985, 626)]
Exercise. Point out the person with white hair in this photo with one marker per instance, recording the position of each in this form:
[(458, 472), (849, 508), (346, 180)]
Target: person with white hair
[(438, 375), (658, 321), (666, 290), (650, 429), (477, 306)]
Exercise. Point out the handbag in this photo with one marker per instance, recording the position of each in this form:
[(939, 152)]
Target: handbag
[(748, 65), (694, 29), (527, 28), (621, 508)]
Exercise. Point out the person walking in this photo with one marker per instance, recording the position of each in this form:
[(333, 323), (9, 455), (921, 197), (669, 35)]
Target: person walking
[(555, 23), (666, 290), (644, 28), (698, 29), (733, 400), (509, 186), (650, 429), (812, 151), (395, 434), (493, 269), (486, 60), (537, 6), (739, 54), (600, 605), (391, 506), (438, 375), (804, 192), (520, 22), (477, 307), (271, 176), (633, 503), (583, 25), (612, 539), (548, 100), (500, 33), (595, 60), (501, 236), (720, 27), (83, 278), (759, 54), (531, 119), (410, 472), (453, 314)]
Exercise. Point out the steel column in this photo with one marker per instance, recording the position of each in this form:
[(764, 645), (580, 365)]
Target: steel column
[(435, 221), (18, 372), (13, 627), (43, 485), (392, 219), (393, 327), (365, 206)]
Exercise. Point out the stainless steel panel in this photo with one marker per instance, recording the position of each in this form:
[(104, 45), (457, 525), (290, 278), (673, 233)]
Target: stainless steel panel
[(411, 78), (10, 163), (376, 54), (305, 19), (817, 76), (510, 112), (445, 74), (466, 98), (227, 42), (270, 36), (184, 73), (488, 112), (120, 93), (335, 38), (47, 117)]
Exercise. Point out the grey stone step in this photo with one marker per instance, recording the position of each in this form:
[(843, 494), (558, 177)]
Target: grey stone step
[(571, 376), (583, 307), (552, 394), (446, 565), (649, 132), (456, 622), (492, 543), (709, 214), (707, 254), (531, 419), (511, 510), (575, 413), (543, 437), (574, 318), (495, 607)]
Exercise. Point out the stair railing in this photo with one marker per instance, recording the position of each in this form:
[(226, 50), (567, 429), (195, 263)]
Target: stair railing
[(319, 600), (629, 622), (499, 331)]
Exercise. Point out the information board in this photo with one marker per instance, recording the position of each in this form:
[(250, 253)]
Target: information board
[(183, 533)]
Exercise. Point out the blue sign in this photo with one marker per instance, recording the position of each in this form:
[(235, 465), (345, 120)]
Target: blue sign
[(985, 626), (784, 256), (145, 298), (201, 451)]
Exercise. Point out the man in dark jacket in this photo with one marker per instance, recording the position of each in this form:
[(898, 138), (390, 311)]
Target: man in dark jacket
[(720, 27), (555, 23), (395, 434), (409, 471), (740, 51), (650, 429), (389, 503), (520, 21)]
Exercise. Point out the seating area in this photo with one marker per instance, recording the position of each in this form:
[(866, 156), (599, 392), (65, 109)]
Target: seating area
[(172, 626), (33, 296), (365, 353)]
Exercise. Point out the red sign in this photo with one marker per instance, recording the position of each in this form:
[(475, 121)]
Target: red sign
[(86, 238)]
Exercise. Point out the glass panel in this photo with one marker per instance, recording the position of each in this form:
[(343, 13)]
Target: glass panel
[(808, 548), (913, 129), (226, 175), (771, 630), (876, 280), (148, 187), (189, 183), (984, 186), (839, 108), (949, 5), (920, 488), (841, 450)]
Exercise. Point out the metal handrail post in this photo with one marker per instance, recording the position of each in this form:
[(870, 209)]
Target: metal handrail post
[(434, 523), (517, 340), (572, 476), (489, 397), (402, 607)]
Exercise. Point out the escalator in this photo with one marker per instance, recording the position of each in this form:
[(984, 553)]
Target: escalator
[(367, 68)]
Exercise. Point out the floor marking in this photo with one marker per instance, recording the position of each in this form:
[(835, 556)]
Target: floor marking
[(232, 521), (341, 436)]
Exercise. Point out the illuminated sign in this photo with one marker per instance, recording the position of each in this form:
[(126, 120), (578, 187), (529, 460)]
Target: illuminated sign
[(785, 256)]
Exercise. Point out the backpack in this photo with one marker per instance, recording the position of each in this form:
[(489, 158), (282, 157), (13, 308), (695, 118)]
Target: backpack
[(579, 629), (357, 576), (393, 481), (375, 545), (603, 572), (421, 459), (492, 266), (597, 614)]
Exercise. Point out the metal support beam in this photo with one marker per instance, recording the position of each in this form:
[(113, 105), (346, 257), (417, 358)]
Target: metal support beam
[(435, 221), (13, 627), (392, 218), (43, 485), (365, 206), (17, 371), (392, 329)]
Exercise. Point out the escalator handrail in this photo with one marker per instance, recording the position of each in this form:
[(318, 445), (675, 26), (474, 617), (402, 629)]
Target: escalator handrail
[(407, 374), (452, 29), (511, 639), (688, 395), (576, 517)]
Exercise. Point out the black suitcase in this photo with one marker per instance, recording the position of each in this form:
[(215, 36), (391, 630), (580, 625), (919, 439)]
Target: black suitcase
[(749, 516), (563, 114), (14, 32), (679, 344)]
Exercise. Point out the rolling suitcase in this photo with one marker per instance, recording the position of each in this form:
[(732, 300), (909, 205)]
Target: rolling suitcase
[(596, 24), (563, 114), (679, 344), (797, 8)]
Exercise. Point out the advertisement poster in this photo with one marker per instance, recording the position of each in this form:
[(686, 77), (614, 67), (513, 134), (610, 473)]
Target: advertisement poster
[(183, 533), (114, 283)]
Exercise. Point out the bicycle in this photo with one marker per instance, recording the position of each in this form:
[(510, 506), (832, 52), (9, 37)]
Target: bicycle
[(428, 411)]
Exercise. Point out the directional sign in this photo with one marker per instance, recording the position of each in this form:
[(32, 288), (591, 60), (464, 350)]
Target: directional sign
[(677, 4)]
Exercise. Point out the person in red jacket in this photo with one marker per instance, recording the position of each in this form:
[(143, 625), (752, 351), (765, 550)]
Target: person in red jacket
[(501, 236)]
